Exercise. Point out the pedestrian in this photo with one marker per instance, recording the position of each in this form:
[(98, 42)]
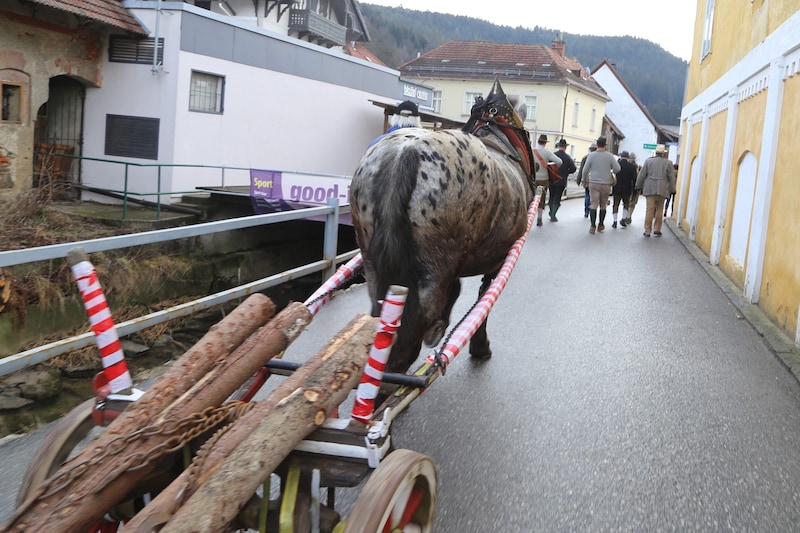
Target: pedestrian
[(406, 115), (599, 174), (542, 178), (557, 189), (621, 191), (671, 197), (635, 193), (656, 181), (580, 180)]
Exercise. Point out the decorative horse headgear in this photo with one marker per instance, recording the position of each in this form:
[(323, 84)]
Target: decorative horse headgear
[(495, 110)]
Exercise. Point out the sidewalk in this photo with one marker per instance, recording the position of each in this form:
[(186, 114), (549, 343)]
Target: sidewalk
[(778, 342)]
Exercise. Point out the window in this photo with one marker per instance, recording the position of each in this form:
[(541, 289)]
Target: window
[(576, 107), (708, 26), (123, 49), (206, 93), (469, 101), (593, 119), (437, 101), (132, 136), (531, 101), (12, 102)]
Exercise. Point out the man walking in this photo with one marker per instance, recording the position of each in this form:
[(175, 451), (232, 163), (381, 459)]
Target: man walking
[(581, 179), (545, 157), (557, 189), (656, 180), (598, 176), (621, 192)]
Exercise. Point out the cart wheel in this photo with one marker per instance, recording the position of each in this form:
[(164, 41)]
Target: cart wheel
[(400, 495), (64, 438), (56, 447)]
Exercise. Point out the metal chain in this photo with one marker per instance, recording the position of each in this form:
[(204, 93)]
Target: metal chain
[(437, 356)]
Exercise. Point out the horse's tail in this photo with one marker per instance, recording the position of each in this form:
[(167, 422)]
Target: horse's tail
[(393, 252), (392, 240)]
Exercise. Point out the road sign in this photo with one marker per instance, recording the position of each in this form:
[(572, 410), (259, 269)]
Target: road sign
[(649, 146)]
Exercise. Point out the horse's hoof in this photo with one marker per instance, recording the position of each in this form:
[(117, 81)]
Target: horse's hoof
[(539, 222), (435, 333), (481, 354)]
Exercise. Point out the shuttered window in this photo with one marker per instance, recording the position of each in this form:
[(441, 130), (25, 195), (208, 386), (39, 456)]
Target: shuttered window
[(132, 136), (123, 49)]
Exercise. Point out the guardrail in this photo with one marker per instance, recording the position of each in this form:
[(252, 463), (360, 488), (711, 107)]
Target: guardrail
[(327, 265)]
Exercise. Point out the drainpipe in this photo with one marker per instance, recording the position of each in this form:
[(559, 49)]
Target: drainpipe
[(154, 70)]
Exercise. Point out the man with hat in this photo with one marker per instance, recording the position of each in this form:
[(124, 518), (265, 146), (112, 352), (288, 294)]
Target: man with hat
[(580, 179), (656, 180), (599, 177), (545, 157), (557, 189), (406, 115), (621, 192)]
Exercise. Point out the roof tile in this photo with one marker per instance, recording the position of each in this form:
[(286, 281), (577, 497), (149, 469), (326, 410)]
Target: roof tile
[(109, 12)]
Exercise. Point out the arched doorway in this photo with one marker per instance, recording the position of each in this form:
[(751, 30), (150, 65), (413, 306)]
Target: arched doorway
[(58, 137)]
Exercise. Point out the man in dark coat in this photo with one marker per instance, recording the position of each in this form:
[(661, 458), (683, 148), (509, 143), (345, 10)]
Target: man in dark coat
[(621, 192), (557, 189)]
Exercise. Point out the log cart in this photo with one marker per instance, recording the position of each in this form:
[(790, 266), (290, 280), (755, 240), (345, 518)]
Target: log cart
[(195, 452)]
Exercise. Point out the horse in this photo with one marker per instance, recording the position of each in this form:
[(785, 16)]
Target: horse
[(430, 207)]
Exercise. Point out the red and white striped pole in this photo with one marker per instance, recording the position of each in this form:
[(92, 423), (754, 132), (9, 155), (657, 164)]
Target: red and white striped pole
[(105, 332), (322, 295), (367, 391)]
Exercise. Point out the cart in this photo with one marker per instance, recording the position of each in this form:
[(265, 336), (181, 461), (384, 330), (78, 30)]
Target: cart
[(195, 452)]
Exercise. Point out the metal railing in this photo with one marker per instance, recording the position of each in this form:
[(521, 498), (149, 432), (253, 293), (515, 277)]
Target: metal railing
[(326, 265)]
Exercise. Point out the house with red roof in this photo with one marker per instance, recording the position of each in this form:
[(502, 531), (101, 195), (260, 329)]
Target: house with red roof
[(560, 97)]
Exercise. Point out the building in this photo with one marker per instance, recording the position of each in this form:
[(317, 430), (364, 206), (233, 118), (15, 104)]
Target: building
[(561, 100), (641, 133), (737, 182), (151, 87), (49, 52)]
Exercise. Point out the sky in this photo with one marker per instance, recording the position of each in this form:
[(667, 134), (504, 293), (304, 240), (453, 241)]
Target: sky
[(671, 25)]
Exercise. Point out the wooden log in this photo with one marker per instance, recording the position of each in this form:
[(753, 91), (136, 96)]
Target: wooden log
[(269, 432), (185, 391)]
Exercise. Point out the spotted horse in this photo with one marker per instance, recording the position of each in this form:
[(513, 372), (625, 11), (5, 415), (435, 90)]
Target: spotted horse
[(431, 207)]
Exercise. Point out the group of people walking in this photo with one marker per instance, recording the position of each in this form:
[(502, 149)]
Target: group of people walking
[(605, 176)]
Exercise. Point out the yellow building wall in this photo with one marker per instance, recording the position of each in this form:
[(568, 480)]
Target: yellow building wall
[(780, 284), (738, 28), (749, 130), (707, 203), (688, 159)]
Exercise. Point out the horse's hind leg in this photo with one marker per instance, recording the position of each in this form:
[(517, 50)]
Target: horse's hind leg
[(479, 343)]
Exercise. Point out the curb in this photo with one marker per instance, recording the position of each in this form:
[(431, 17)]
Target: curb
[(776, 340)]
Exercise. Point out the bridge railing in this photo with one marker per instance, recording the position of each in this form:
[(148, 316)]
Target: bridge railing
[(326, 265)]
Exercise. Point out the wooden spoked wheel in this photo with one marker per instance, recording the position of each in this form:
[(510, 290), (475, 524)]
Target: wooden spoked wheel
[(65, 437), (55, 449), (400, 495)]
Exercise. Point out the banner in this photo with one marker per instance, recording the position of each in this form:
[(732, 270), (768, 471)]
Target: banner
[(272, 191)]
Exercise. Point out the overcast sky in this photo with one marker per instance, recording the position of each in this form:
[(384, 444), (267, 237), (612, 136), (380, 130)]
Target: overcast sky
[(670, 25)]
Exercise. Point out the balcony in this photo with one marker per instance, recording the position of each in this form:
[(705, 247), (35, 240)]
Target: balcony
[(315, 27)]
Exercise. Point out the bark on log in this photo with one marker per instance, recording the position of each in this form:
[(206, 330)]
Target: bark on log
[(196, 382), (264, 437)]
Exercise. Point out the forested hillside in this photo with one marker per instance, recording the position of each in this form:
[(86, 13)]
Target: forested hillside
[(656, 77)]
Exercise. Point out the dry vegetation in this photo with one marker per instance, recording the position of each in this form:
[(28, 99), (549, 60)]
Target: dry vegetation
[(28, 221)]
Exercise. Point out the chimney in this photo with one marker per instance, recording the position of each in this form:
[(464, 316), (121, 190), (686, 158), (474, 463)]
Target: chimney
[(558, 46)]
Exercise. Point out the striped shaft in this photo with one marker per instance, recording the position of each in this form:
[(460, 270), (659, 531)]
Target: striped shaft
[(467, 328), (342, 274), (105, 332), (367, 391)]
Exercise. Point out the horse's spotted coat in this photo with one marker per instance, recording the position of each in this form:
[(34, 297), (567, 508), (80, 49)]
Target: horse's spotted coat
[(429, 208)]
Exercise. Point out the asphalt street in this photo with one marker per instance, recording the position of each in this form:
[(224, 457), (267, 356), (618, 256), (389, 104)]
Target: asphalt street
[(627, 392)]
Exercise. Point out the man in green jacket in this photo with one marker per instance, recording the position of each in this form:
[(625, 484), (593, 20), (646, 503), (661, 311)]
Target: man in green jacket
[(656, 180)]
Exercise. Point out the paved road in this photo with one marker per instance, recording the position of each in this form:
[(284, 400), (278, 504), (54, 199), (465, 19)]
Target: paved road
[(626, 393)]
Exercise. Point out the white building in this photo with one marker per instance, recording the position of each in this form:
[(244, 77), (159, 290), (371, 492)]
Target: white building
[(641, 132)]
